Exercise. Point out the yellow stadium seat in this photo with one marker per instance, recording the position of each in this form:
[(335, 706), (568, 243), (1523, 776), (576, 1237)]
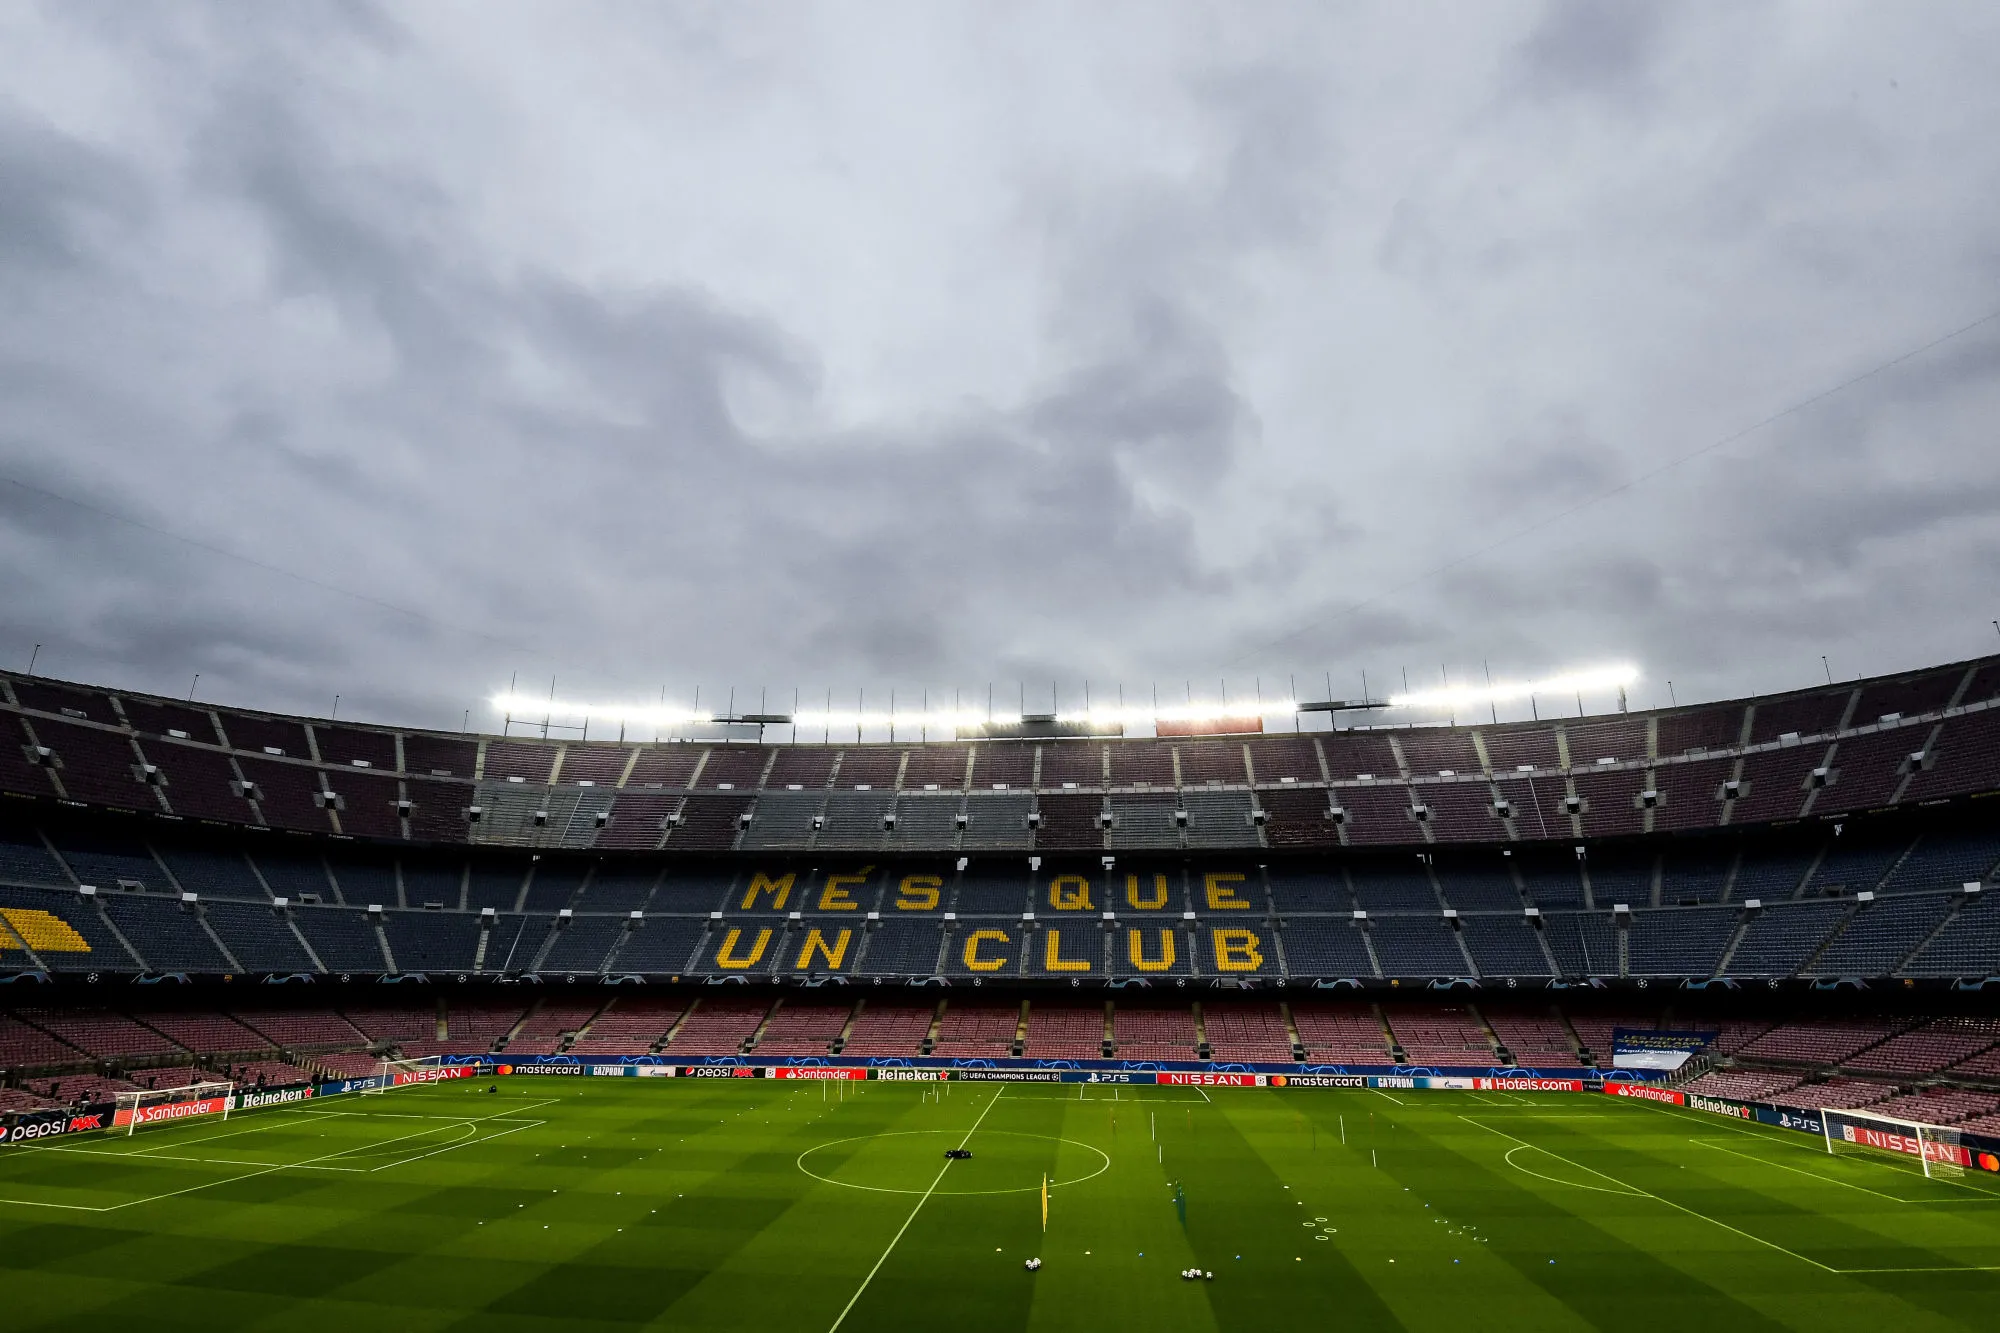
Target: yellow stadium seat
[(44, 932)]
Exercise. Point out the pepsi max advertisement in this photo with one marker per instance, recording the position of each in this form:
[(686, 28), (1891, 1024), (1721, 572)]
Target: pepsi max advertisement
[(32, 1125)]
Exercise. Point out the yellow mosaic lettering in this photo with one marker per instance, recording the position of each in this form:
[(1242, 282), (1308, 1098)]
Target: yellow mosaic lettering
[(1151, 904), (919, 893), (1053, 960), (816, 943), (973, 961), (1069, 893), (1238, 951), (780, 889), (1135, 949), (1222, 894), (726, 955), (833, 896)]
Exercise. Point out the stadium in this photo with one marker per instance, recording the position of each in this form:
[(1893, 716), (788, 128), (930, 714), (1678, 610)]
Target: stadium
[(1446, 946), (828, 669)]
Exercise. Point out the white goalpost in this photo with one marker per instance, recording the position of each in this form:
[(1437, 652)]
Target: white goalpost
[(160, 1106), (1938, 1149), (386, 1076)]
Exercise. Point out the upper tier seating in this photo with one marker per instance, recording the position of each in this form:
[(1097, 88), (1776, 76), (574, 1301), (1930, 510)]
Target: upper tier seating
[(1819, 752)]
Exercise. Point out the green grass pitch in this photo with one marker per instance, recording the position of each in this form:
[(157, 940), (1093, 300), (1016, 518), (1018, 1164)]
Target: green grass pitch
[(753, 1204)]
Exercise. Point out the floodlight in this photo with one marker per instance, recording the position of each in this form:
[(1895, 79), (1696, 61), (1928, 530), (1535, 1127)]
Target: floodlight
[(1570, 682)]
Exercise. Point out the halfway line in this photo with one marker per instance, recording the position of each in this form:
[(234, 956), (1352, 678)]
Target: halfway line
[(848, 1308)]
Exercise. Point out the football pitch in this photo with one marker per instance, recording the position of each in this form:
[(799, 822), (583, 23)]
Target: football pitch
[(766, 1205)]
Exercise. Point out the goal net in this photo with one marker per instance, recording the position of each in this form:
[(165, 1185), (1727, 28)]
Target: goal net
[(401, 1074), (1939, 1150), (161, 1106)]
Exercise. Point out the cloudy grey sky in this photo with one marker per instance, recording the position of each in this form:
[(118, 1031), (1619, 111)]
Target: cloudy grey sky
[(927, 345)]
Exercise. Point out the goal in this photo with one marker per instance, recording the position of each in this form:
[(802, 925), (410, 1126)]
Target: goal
[(396, 1074), (161, 1106), (1938, 1149)]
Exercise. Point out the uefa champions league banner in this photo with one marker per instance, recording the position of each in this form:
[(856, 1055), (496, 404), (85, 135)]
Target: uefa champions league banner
[(1644, 1048)]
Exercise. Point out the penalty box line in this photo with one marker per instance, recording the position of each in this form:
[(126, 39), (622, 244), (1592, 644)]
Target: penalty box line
[(1787, 1141), (163, 1156), (1820, 1176), (278, 1117), (468, 1122), (1828, 1268), (1636, 1190), (1136, 1100), (309, 1163), (273, 1122)]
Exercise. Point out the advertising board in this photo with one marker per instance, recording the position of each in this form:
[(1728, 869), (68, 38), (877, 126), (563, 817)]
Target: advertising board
[(161, 1112)]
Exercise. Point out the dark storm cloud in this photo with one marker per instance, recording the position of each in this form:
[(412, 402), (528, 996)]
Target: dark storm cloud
[(661, 349), (58, 191), (1557, 461), (1579, 46)]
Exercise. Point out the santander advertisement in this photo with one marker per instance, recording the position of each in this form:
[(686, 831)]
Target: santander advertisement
[(164, 1111)]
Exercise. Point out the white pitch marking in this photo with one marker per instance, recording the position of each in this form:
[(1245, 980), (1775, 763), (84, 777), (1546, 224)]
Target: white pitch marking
[(273, 1123), (307, 1163), (1812, 1175), (449, 1146), (897, 1239), (1677, 1207), (1810, 1146), (1508, 1158), (169, 1157)]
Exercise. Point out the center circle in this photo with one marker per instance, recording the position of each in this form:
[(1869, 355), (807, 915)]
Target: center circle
[(919, 1162)]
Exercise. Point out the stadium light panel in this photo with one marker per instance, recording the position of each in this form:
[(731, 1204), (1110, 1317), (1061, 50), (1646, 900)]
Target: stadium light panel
[(942, 719), (1119, 716), (1581, 681), (664, 715)]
